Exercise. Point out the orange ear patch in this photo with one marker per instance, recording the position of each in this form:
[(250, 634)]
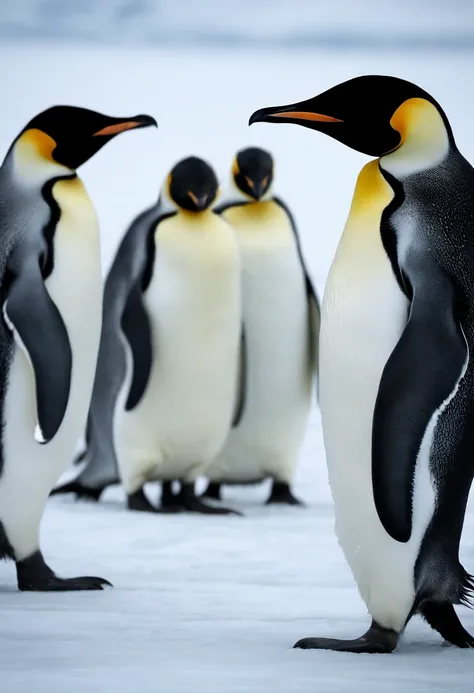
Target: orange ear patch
[(36, 144), (235, 167)]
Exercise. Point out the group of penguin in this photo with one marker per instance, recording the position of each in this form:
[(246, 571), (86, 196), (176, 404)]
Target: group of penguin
[(201, 352), (208, 348)]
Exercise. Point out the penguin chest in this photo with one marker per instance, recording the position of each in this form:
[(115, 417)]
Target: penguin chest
[(193, 303), (75, 287), (363, 315), (275, 318)]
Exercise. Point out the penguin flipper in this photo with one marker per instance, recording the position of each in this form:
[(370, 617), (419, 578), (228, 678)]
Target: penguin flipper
[(420, 375), (241, 382), (314, 305), (136, 328), (40, 332)]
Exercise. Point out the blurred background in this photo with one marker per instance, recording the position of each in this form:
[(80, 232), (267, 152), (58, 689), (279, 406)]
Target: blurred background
[(376, 24), (201, 67)]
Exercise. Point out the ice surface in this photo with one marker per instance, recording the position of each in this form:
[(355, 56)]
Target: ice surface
[(213, 604)]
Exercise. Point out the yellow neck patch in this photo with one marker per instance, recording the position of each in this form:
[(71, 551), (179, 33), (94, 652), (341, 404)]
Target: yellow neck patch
[(371, 195)]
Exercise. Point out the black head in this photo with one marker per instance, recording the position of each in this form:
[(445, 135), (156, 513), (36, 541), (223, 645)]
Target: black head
[(192, 184), (253, 171), (79, 133), (357, 112)]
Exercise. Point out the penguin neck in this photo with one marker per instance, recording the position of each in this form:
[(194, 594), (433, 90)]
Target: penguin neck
[(425, 139), (31, 160), (196, 219), (236, 196)]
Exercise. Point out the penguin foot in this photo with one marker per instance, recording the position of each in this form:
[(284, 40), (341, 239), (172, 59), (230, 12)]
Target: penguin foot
[(81, 492), (281, 493), (139, 502), (212, 491), (188, 500), (376, 640), (34, 575), (444, 619)]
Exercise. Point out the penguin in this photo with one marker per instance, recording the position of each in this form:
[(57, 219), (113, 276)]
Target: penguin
[(50, 293), (165, 390), (281, 326), (396, 378)]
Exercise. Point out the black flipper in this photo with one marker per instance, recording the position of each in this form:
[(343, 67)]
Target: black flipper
[(40, 331), (313, 300), (242, 382), (376, 640), (136, 328), (419, 376)]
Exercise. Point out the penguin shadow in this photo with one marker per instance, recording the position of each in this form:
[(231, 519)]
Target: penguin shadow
[(246, 500), (252, 501)]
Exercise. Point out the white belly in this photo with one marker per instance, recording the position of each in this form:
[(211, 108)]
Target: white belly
[(363, 316), (193, 303), (75, 285), (279, 380)]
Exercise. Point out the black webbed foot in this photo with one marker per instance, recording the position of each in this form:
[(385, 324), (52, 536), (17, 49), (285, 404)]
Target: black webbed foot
[(376, 640), (81, 492), (188, 500), (213, 491), (281, 493), (34, 575)]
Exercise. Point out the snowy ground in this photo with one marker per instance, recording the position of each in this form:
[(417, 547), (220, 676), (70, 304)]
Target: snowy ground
[(213, 604)]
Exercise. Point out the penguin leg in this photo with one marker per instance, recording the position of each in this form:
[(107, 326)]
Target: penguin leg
[(34, 575), (170, 501), (139, 502), (81, 491), (444, 619), (377, 640), (281, 493), (213, 491), (189, 501)]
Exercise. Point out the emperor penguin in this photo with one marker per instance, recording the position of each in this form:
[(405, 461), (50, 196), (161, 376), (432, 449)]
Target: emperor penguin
[(165, 389), (396, 378), (280, 315), (51, 296)]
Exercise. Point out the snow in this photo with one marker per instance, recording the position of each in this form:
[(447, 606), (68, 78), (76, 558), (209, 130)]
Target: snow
[(199, 603)]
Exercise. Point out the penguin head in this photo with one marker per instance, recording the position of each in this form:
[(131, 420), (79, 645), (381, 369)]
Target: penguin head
[(370, 114), (69, 136), (192, 185), (252, 172)]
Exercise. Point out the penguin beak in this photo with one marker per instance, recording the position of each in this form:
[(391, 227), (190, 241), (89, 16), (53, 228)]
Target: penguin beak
[(119, 125), (299, 113), (200, 202)]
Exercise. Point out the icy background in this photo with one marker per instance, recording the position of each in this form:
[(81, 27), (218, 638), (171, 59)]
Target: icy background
[(215, 604)]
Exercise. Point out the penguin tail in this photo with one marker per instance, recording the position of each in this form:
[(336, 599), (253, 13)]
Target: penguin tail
[(435, 603), (80, 491), (466, 596)]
